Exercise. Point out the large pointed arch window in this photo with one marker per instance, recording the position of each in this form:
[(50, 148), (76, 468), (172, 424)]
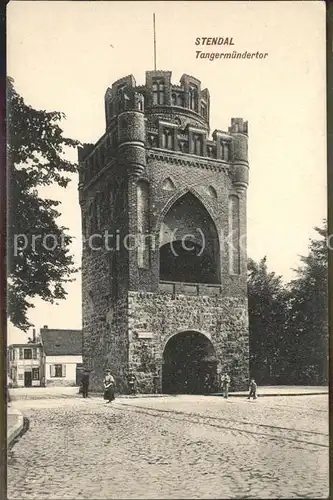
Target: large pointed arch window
[(189, 244)]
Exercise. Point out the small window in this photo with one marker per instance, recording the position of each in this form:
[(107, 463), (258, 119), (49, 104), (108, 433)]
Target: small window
[(27, 353), (20, 376), (34, 353), (21, 353), (58, 371), (174, 99), (180, 100), (168, 138), (158, 91), (225, 151), (204, 110), (193, 97), (35, 374), (197, 145)]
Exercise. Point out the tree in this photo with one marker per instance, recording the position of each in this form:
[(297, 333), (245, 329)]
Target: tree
[(268, 309), (308, 321), (38, 258)]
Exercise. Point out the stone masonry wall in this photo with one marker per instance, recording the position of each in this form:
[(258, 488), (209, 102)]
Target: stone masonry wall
[(154, 318)]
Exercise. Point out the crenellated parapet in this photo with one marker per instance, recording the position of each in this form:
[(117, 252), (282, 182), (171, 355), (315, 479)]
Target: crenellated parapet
[(165, 116)]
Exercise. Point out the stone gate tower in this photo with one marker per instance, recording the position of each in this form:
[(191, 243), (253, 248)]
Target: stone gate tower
[(164, 264)]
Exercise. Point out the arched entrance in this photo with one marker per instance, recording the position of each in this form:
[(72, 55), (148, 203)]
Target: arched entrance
[(189, 365)]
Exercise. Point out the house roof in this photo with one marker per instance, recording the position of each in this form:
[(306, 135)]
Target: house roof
[(30, 345), (61, 342)]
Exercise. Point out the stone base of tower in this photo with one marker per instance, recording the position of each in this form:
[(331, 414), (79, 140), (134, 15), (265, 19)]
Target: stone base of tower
[(212, 332), (173, 343)]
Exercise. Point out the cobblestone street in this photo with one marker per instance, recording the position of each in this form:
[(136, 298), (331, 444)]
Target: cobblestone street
[(171, 447)]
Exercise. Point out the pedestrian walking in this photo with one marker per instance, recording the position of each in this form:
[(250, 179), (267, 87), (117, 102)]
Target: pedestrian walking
[(156, 380), (132, 383), (252, 389), (9, 384), (85, 383), (225, 385), (109, 385)]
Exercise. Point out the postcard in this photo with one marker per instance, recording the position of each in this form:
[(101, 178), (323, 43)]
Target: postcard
[(167, 250)]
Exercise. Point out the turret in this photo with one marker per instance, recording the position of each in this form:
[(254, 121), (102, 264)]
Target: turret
[(131, 132), (240, 164)]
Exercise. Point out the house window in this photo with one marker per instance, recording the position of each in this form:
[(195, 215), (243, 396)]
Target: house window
[(158, 92), (167, 139), (174, 99), (58, 371), (197, 145), (34, 353), (35, 374), (21, 353), (27, 353), (193, 97)]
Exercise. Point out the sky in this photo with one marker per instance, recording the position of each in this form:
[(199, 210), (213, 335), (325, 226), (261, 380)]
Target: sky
[(64, 55)]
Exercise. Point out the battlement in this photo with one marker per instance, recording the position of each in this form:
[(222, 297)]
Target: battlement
[(158, 92), (163, 116)]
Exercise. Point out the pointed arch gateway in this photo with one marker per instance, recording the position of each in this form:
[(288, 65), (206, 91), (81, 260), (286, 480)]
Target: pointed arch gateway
[(189, 243)]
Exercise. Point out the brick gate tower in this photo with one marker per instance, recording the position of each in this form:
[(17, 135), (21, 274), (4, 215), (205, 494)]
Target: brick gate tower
[(164, 265)]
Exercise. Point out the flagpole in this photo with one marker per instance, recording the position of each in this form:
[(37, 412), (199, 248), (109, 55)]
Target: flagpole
[(154, 42)]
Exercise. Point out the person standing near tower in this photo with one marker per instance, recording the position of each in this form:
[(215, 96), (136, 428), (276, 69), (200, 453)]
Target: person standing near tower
[(131, 381), (109, 384), (85, 383), (252, 389), (225, 385)]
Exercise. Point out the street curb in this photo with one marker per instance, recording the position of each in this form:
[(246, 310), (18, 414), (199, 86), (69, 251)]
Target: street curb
[(231, 395), (16, 429), (273, 394)]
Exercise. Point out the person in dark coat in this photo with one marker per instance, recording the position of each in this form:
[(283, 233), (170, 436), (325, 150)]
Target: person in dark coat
[(85, 383), (252, 389), (109, 386), (131, 381)]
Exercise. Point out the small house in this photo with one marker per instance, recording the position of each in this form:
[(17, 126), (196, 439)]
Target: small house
[(25, 364), (62, 356)]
